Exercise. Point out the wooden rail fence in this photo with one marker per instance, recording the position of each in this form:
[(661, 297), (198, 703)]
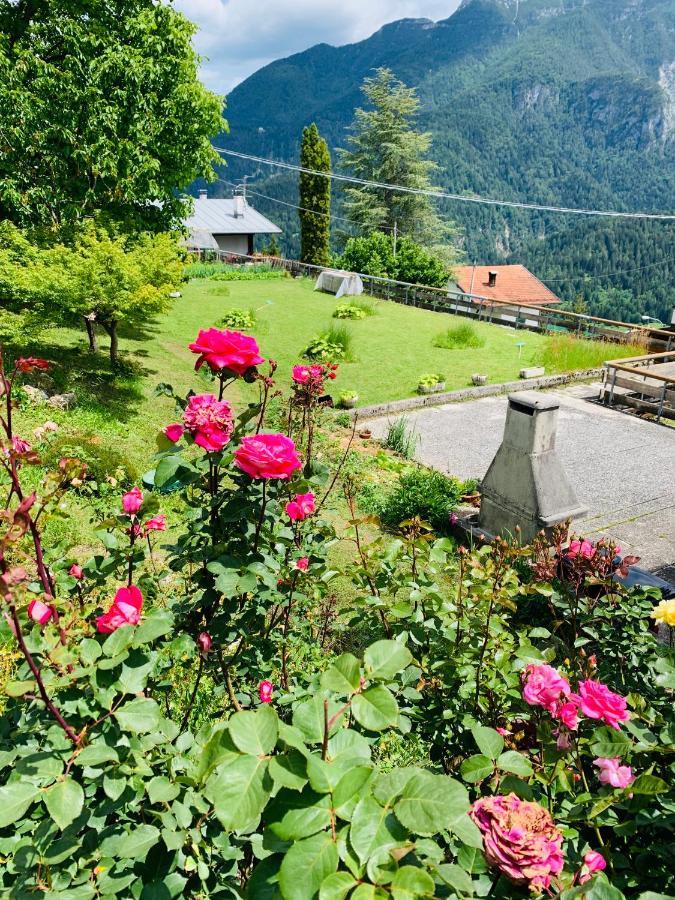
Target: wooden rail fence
[(645, 383)]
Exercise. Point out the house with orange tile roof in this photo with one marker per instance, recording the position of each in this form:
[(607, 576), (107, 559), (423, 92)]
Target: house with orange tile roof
[(507, 284)]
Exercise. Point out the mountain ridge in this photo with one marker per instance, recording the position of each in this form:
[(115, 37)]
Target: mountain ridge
[(569, 104)]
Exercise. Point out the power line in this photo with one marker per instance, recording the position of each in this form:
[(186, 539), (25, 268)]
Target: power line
[(443, 195), (661, 262), (315, 212)]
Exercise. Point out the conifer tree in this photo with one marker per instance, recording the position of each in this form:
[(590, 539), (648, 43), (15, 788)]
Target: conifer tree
[(314, 199)]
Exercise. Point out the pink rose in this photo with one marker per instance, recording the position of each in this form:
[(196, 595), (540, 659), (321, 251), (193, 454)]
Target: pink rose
[(229, 350), (40, 612), (593, 862), (20, 446), (157, 523), (304, 505), (265, 689), (302, 564), (174, 432), (132, 501), (520, 839), (125, 610), (209, 421), (612, 773), (598, 702), (76, 571), (568, 713), (301, 374), (580, 548), (267, 456), (543, 686), (204, 643)]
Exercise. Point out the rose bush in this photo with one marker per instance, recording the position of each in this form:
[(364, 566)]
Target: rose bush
[(203, 719)]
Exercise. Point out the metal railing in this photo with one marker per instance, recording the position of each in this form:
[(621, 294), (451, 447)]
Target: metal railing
[(545, 319), (645, 383)]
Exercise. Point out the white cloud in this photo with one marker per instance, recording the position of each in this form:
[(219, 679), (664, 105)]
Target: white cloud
[(240, 36)]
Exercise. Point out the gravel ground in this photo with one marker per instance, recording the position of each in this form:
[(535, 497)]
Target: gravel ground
[(622, 468)]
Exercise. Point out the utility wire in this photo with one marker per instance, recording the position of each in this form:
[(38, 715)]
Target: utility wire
[(443, 195), (661, 262)]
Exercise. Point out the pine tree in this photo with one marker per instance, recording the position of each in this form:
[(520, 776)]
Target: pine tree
[(386, 148), (314, 199)]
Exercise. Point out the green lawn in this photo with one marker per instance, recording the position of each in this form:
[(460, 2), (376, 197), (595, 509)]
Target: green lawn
[(391, 350)]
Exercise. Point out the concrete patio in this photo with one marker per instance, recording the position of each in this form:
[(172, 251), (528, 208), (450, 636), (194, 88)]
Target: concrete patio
[(621, 467)]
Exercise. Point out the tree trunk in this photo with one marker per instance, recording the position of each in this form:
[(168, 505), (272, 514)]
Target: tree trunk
[(111, 328), (91, 334)]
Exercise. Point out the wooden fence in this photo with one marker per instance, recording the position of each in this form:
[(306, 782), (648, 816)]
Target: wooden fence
[(545, 319), (645, 383)]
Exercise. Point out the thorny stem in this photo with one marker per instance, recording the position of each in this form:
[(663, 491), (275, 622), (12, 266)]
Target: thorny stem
[(261, 517), (460, 609), (339, 468), (326, 729), (364, 562), (228, 681)]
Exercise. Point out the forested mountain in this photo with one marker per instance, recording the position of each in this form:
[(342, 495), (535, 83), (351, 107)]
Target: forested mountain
[(562, 102)]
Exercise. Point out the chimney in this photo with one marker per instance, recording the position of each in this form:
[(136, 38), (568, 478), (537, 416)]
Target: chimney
[(492, 278), (239, 206), (202, 194), (526, 485)]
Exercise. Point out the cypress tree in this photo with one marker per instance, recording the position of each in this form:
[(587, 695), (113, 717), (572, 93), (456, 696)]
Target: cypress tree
[(314, 196)]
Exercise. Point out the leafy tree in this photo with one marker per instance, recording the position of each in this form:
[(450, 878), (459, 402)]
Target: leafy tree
[(386, 148), (272, 248), (100, 109), (113, 280), (375, 255), (315, 196)]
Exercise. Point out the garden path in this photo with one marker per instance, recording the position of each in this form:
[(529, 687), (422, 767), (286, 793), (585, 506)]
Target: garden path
[(622, 468)]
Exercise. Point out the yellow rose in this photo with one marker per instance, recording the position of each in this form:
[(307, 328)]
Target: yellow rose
[(665, 612)]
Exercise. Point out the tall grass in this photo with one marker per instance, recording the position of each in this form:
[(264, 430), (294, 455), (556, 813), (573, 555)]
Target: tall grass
[(566, 353), (355, 309), (401, 439), (459, 337), (342, 337)]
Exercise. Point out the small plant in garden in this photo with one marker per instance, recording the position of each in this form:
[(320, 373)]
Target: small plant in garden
[(401, 438), (354, 310), (460, 337), (334, 344), (348, 399), (434, 381), (244, 319)]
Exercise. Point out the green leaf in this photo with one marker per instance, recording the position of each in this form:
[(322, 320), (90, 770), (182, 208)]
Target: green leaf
[(289, 770), (15, 798), (337, 886), (385, 659), (90, 650), (238, 791), (373, 827), (376, 708), (166, 470), (156, 624), (515, 763), (64, 802), (306, 866), (489, 741), (134, 678), (352, 783), (476, 768), (648, 784), (134, 844), (161, 790), (343, 676), (292, 816), (308, 717), (609, 743), (139, 716), (456, 878), (118, 641), (19, 688), (468, 832), (255, 732), (431, 803), (411, 882), (96, 754), (389, 787)]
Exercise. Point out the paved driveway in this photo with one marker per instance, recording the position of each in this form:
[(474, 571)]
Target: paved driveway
[(622, 468)]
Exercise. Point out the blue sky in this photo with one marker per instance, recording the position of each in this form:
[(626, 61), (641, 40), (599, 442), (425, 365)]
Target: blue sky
[(240, 36)]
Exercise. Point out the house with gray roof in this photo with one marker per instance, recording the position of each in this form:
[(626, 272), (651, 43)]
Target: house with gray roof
[(225, 225)]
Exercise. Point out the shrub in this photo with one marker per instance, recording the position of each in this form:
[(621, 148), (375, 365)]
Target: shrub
[(107, 469), (459, 337), (424, 493), (241, 319), (401, 439), (331, 345), (354, 310), (374, 255)]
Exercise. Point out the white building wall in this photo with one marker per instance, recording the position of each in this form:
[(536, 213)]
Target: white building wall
[(232, 243)]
